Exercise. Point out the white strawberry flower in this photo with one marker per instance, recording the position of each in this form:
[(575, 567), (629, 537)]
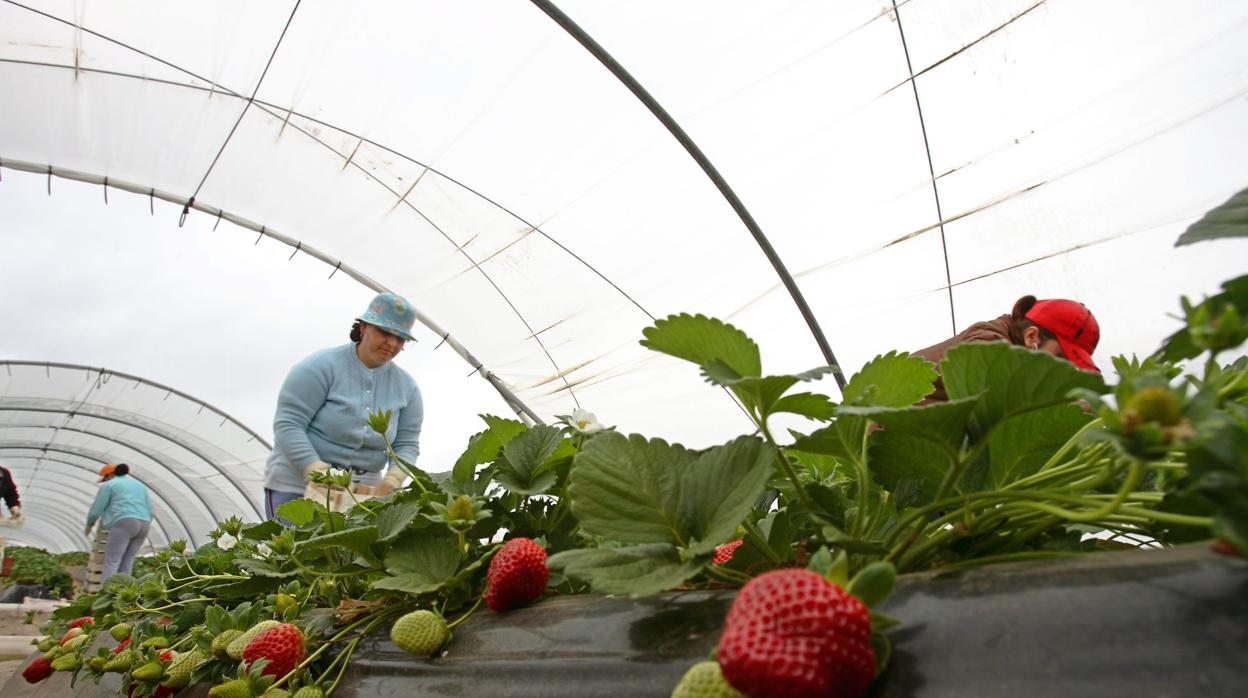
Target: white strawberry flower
[(585, 422), (263, 551), (227, 542)]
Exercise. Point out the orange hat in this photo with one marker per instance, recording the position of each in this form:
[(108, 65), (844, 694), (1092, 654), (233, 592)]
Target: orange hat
[(107, 471)]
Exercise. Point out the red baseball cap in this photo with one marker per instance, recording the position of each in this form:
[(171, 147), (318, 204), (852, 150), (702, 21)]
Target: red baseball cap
[(1077, 330)]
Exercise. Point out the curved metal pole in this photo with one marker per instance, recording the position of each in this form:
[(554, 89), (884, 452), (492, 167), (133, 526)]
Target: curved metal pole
[(255, 507), (139, 379), (129, 445), (99, 458), (89, 498), (596, 49)]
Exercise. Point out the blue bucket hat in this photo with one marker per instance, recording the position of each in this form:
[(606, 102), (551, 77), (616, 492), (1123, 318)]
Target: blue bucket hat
[(392, 313)]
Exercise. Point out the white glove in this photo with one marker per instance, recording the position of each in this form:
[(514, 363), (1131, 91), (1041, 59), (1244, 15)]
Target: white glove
[(317, 466), (16, 512), (88, 531), (393, 480)]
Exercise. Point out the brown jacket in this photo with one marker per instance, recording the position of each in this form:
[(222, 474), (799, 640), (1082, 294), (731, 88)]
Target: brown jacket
[(987, 331)]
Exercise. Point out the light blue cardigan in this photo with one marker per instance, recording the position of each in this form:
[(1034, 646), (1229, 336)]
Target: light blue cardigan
[(123, 497), (322, 414)]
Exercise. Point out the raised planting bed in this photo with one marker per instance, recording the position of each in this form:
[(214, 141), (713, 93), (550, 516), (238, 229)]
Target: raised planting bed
[(1170, 622)]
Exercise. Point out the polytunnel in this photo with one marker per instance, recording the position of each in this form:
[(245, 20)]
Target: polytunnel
[(836, 179), (59, 424)]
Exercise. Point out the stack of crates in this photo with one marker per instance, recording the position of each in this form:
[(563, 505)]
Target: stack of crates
[(95, 563)]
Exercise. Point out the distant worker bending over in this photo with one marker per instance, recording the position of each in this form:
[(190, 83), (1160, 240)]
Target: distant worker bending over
[(323, 408), (1064, 328), (10, 495)]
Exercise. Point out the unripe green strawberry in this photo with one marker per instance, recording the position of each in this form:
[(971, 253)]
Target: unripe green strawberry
[(284, 601), (222, 641), (149, 673), (97, 663), (276, 693), (46, 644), (236, 647), (1155, 404), (73, 633), (158, 642), (52, 653), (705, 680), (120, 663), (67, 662), (120, 631), (108, 619), (309, 692), (75, 642), (236, 688), (420, 632), (180, 669)]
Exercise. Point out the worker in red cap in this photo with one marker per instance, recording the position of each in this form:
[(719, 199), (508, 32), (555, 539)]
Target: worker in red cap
[(1064, 328)]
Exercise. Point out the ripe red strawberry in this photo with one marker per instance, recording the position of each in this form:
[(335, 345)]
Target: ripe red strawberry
[(82, 621), (38, 670), (517, 575), (282, 645), (791, 634), (723, 553), (119, 648)]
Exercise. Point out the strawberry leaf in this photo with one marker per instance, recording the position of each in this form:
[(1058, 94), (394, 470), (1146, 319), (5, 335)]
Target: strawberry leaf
[(393, 519), (420, 562), (635, 490), (1226, 221), (523, 457), (1017, 380), (299, 512), (1019, 446), (354, 539), (637, 571), (483, 447), (704, 340)]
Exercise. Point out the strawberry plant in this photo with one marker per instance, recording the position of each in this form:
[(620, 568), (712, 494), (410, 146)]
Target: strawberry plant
[(1029, 458)]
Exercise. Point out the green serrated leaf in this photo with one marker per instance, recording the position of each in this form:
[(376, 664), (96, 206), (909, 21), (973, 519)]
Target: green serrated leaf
[(943, 423), (702, 340), (904, 463), (1229, 220), (427, 556), (1019, 446), (891, 380), (1014, 380), (394, 518), (813, 405), (518, 484), (634, 490), (299, 512), (354, 539), (250, 588), (1180, 345), (523, 458), (637, 571), (484, 447), (263, 530), (263, 568)]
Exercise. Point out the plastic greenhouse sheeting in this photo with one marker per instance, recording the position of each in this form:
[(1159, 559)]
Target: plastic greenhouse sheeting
[(916, 166), (59, 424)]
